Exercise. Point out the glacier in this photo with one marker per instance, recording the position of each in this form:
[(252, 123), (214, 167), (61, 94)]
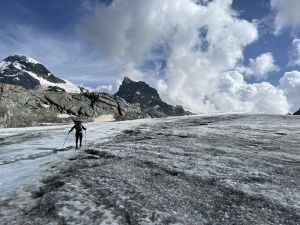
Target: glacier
[(202, 169)]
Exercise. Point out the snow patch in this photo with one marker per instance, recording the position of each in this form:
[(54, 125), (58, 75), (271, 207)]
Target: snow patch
[(63, 116), (68, 86), (18, 66), (4, 65), (105, 118), (31, 60), (45, 106)]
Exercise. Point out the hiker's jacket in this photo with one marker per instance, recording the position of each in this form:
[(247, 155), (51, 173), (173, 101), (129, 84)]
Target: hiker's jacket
[(78, 127)]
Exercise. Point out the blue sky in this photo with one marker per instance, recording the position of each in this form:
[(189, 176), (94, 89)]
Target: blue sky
[(61, 34), (279, 45)]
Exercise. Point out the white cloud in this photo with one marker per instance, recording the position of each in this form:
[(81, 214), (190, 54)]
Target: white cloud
[(261, 66), (104, 88), (200, 44), (236, 95), (287, 14), (290, 84), (161, 86), (131, 71), (295, 53)]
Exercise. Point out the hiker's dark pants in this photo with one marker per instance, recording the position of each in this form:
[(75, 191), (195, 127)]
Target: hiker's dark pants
[(78, 136)]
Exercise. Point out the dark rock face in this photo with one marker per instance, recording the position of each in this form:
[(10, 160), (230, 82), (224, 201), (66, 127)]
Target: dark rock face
[(20, 107), (139, 92), (24, 80), (297, 113), (147, 97)]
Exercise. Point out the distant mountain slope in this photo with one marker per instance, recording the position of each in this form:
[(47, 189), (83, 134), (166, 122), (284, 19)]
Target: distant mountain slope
[(147, 97), (30, 74)]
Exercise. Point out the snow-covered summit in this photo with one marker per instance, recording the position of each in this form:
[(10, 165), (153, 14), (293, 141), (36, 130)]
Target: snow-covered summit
[(22, 58), (27, 72)]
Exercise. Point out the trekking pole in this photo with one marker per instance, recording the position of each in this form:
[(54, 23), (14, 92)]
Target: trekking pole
[(85, 138), (65, 141)]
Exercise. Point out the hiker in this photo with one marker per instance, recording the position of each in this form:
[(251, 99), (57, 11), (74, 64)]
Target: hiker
[(78, 127)]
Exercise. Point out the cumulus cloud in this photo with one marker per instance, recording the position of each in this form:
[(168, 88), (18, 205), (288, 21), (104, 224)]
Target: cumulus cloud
[(287, 14), (103, 88), (290, 84), (199, 43), (236, 95), (261, 66), (295, 53)]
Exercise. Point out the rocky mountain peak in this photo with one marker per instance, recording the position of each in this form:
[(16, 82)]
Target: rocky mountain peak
[(127, 80), (27, 72), (147, 96), (138, 92)]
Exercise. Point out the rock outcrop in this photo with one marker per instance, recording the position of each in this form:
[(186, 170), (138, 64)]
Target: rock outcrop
[(297, 113), (148, 98), (20, 107)]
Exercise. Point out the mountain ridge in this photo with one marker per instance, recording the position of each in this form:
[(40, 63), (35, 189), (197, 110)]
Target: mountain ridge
[(20, 107)]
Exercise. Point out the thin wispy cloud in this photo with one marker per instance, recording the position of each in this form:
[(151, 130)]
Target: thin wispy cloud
[(68, 58), (287, 14), (295, 53)]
